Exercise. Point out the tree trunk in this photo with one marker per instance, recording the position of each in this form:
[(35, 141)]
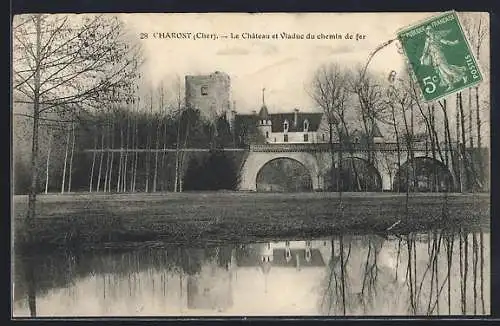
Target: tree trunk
[(127, 140), (36, 122), (148, 157), (398, 149), (136, 154), (478, 118), (100, 161), (120, 163), (133, 165), (177, 152), (71, 156), (181, 163), (63, 183), (155, 176), (47, 165), (148, 143), (459, 160), (481, 175), (108, 157), (410, 161), (433, 146), (449, 143), (93, 164), (112, 156), (332, 154), (163, 156), (471, 141), (464, 154)]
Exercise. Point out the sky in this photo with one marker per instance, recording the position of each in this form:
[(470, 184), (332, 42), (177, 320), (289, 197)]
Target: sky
[(283, 67)]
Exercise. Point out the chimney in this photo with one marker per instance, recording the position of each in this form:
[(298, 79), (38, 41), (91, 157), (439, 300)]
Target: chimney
[(295, 117)]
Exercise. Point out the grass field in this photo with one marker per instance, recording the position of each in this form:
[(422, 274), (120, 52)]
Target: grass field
[(91, 219)]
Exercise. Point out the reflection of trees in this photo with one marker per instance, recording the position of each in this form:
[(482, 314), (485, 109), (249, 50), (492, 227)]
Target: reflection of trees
[(371, 270), (441, 272), (337, 298), (37, 273)]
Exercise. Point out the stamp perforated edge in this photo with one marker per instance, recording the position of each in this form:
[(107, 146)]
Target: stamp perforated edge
[(410, 67)]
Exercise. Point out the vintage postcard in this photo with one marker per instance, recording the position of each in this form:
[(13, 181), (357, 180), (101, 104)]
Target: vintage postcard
[(236, 164)]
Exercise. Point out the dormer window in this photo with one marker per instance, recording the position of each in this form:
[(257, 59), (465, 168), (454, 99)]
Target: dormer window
[(306, 125), (285, 126), (204, 90)]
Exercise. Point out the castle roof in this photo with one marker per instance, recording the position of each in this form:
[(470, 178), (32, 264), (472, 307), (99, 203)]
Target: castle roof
[(277, 120), (263, 113)]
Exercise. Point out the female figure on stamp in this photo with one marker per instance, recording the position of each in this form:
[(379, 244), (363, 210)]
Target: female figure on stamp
[(433, 55)]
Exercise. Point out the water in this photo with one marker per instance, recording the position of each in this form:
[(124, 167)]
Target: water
[(417, 274)]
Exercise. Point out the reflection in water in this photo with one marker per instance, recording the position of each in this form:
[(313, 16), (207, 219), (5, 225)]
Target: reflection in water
[(434, 273)]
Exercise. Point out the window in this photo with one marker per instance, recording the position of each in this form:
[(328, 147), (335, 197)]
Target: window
[(306, 137), (306, 125), (285, 138), (323, 135), (267, 134), (285, 126), (204, 90)]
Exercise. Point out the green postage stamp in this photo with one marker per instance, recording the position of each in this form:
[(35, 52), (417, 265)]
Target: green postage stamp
[(440, 56)]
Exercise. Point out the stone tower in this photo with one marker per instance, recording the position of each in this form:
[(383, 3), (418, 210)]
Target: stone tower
[(264, 125), (211, 94)]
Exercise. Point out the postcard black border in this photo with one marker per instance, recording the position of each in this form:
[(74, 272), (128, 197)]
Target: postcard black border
[(95, 6)]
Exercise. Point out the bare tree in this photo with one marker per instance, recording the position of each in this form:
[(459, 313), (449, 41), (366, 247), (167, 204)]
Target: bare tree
[(63, 182), (71, 156), (370, 99), (47, 166), (60, 60), (329, 91), (91, 179)]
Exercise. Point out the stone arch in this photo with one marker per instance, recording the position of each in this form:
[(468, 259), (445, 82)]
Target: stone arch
[(256, 160), (427, 174), (358, 174), (285, 177)]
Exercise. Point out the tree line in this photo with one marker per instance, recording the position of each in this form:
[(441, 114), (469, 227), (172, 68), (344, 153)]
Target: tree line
[(356, 102), (67, 167)]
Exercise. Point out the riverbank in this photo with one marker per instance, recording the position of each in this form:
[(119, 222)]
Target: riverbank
[(98, 219)]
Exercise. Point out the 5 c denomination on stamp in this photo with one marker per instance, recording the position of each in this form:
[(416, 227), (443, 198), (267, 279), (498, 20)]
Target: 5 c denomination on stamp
[(440, 56)]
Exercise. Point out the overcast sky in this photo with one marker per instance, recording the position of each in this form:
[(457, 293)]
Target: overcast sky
[(283, 67)]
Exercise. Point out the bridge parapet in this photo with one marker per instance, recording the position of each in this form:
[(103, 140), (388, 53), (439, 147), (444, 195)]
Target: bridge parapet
[(325, 147)]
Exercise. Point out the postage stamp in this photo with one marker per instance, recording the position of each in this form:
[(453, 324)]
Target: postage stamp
[(440, 57)]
